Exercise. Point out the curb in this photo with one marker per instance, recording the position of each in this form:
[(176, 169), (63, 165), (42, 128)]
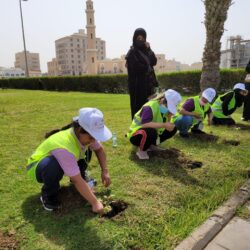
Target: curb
[(210, 228)]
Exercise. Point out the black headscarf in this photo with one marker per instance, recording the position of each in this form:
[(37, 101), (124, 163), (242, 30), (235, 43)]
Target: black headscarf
[(238, 97), (139, 32)]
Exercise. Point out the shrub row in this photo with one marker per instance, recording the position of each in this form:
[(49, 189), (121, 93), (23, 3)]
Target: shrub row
[(187, 81)]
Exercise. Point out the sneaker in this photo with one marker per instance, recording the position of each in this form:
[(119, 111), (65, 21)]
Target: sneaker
[(50, 203), (184, 135), (244, 119), (155, 148), (142, 155)]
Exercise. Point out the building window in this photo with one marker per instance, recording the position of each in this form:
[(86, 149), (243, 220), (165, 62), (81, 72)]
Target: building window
[(72, 61), (71, 44), (93, 59), (90, 20), (91, 36)]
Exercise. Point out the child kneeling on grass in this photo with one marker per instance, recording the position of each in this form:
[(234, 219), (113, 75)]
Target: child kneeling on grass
[(67, 152), (226, 104), (193, 112), (152, 121)]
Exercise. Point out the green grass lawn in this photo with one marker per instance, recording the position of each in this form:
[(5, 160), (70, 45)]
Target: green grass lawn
[(166, 201)]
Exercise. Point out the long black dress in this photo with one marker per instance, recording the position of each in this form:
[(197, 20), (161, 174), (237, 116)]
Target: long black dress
[(140, 75), (246, 109)]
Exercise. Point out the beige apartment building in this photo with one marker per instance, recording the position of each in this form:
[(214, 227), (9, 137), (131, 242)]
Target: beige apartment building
[(53, 68), (112, 66), (71, 54), (33, 62)]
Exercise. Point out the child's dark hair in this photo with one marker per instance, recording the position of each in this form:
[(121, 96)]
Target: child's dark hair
[(73, 124)]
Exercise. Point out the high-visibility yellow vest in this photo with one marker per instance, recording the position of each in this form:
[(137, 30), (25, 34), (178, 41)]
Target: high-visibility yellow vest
[(65, 139), (217, 106), (202, 110), (157, 117)]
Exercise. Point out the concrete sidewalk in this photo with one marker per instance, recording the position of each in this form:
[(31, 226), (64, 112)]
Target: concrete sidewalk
[(234, 236), (224, 230)]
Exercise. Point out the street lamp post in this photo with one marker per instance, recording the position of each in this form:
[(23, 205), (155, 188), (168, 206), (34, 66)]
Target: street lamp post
[(24, 45)]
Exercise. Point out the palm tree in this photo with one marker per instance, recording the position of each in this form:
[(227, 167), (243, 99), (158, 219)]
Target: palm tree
[(215, 17)]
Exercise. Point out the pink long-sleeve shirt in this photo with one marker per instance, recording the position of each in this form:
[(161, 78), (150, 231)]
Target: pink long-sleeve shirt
[(68, 161)]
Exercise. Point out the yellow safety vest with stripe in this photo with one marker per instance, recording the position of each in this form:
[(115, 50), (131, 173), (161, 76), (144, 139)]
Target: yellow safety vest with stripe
[(157, 117), (217, 106), (202, 110), (65, 139)]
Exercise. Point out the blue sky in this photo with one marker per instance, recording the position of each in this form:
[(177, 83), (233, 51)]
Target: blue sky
[(174, 27)]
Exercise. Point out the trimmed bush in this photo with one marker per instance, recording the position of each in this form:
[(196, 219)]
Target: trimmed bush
[(185, 81)]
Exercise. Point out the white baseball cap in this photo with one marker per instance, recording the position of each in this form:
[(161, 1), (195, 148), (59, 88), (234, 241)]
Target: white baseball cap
[(240, 86), (91, 120), (173, 98), (209, 94)]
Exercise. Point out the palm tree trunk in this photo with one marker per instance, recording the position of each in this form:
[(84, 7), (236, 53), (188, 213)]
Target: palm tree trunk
[(215, 17)]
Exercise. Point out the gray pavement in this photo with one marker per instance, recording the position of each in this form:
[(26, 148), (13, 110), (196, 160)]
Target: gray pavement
[(234, 236), (223, 229)]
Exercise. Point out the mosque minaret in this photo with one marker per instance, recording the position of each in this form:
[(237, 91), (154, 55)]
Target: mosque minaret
[(91, 44)]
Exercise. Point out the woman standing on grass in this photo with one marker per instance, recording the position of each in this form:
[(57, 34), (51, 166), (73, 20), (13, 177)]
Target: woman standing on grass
[(152, 121), (67, 152), (141, 76), (226, 104)]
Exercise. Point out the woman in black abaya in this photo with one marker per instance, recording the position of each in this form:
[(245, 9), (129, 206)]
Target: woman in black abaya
[(141, 77)]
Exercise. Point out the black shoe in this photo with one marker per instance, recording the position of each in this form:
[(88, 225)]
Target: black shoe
[(184, 135), (50, 203), (245, 119), (197, 131)]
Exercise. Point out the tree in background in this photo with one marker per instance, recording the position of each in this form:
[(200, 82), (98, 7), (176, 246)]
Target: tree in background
[(215, 17)]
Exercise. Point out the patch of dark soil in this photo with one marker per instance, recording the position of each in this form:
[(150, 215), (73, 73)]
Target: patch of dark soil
[(116, 208), (205, 137), (70, 199), (231, 142), (194, 164), (168, 153), (241, 126), (177, 158), (8, 241)]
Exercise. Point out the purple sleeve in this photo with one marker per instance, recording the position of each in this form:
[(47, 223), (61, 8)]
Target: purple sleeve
[(146, 115), (67, 162), (189, 105)]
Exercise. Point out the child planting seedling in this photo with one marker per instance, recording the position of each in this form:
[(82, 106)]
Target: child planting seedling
[(112, 207)]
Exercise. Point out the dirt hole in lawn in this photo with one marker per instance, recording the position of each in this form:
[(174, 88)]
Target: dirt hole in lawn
[(205, 137), (116, 208), (177, 158), (231, 142), (8, 241)]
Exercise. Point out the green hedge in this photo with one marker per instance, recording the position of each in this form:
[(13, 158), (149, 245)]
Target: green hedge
[(186, 81)]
